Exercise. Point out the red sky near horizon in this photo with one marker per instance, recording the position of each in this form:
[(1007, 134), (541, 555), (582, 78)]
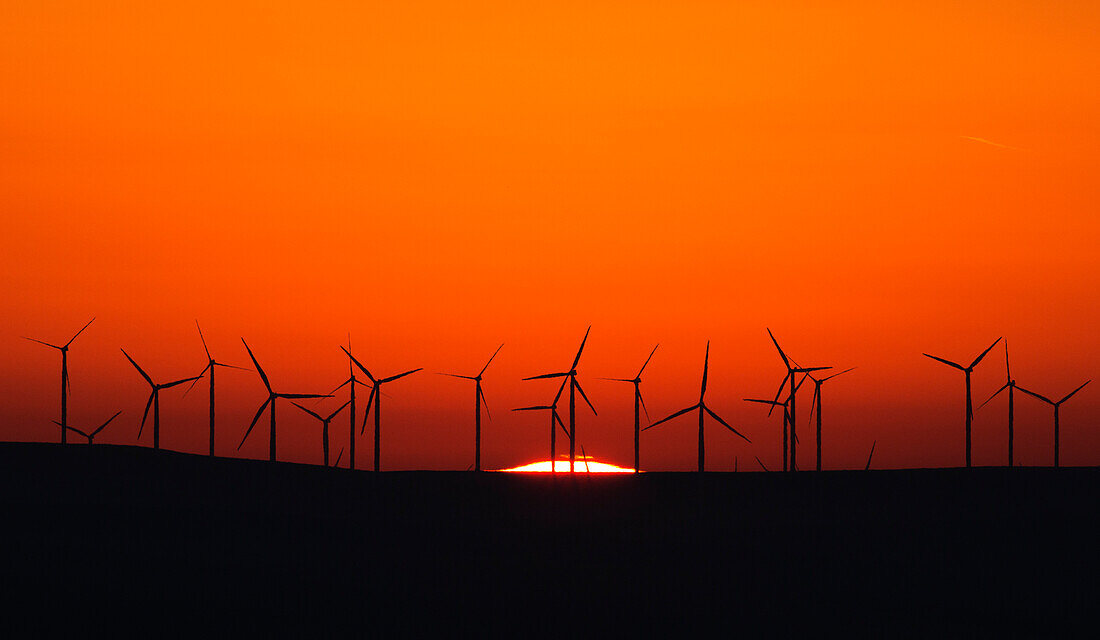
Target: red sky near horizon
[(868, 181)]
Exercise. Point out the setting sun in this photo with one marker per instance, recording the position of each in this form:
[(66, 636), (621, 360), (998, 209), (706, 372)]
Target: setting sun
[(582, 466)]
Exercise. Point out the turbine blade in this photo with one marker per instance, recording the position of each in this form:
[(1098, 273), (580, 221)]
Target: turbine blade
[(204, 347), (779, 393), (557, 396), (143, 374), (813, 403), (455, 375), (706, 366), (338, 456), (786, 362), (334, 413), (995, 394), (725, 424), (987, 350), (309, 411), (799, 385), (145, 414), (534, 408), (482, 372), (340, 386), (760, 463), (301, 395), (104, 425), (871, 455), (230, 366), (587, 401), (547, 375), (617, 379), (838, 374), (646, 363), (360, 365), (641, 400), (577, 359), (41, 342), (484, 403), (670, 417), (169, 385), (1035, 395), (561, 424), (1008, 370), (370, 401), (809, 369), (946, 362), (259, 369), (79, 332), (771, 402), (255, 419), (196, 380), (400, 375), (1074, 392)]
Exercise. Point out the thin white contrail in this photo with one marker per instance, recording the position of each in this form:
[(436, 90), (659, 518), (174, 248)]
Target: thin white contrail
[(990, 142)]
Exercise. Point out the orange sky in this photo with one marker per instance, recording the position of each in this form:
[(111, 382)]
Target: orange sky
[(438, 178)]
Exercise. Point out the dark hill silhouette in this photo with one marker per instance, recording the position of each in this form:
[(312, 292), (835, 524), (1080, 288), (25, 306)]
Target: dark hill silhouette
[(104, 535)]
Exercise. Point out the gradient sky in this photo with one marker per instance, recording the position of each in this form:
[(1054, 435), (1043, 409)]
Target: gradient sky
[(869, 181)]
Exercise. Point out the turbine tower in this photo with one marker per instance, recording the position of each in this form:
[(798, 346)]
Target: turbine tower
[(479, 401), (817, 402), (969, 401), (791, 413), (1057, 406), (154, 399), (64, 349), (573, 388), (638, 403), (703, 409), (91, 434), (210, 365), (1009, 384), (376, 399), (272, 396), (325, 420), (352, 381)]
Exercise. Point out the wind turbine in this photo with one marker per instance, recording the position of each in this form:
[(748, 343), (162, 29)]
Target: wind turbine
[(352, 380), (703, 409), (1057, 405), (786, 414), (376, 398), (91, 434), (272, 396), (817, 402), (325, 420), (1009, 384), (554, 419), (792, 415), (64, 349), (638, 403), (969, 402), (154, 400), (210, 364), (479, 401), (573, 388)]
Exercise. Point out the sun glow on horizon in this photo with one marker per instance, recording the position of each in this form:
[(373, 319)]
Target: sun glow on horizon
[(582, 465)]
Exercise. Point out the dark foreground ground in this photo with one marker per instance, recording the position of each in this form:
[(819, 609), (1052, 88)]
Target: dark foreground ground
[(95, 537)]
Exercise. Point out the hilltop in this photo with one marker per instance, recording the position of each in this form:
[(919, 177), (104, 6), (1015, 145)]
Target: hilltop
[(125, 534)]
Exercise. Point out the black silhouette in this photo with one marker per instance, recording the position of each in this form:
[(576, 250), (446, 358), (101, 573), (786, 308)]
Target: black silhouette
[(573, 388), (638, 403), (376, 399), (154, 400), (210, 364), (271, 398), (554, 419), (91, 434), (338, 456), (479, 401), (703, 409), (969, 402), (64, 349), (817, 402), (325, 420), (791, 413), (786, 414), (760, 463), (870, 455), (1009, 384), (1057, 406), (352, 380)]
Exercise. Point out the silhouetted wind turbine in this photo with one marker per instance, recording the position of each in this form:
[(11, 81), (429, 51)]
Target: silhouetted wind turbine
[(703, 409), (272, 396), (817, 402), (352, 380), (870, 455), (638, 403), (479, 401), (792, 415), (325, 420), (154, 399), (91, 434), (1057, 405), (1009, 384), (376, 398), (554, 419), (210, 364), (573, 388), (64, 349), (786, 414), (969, 402)]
